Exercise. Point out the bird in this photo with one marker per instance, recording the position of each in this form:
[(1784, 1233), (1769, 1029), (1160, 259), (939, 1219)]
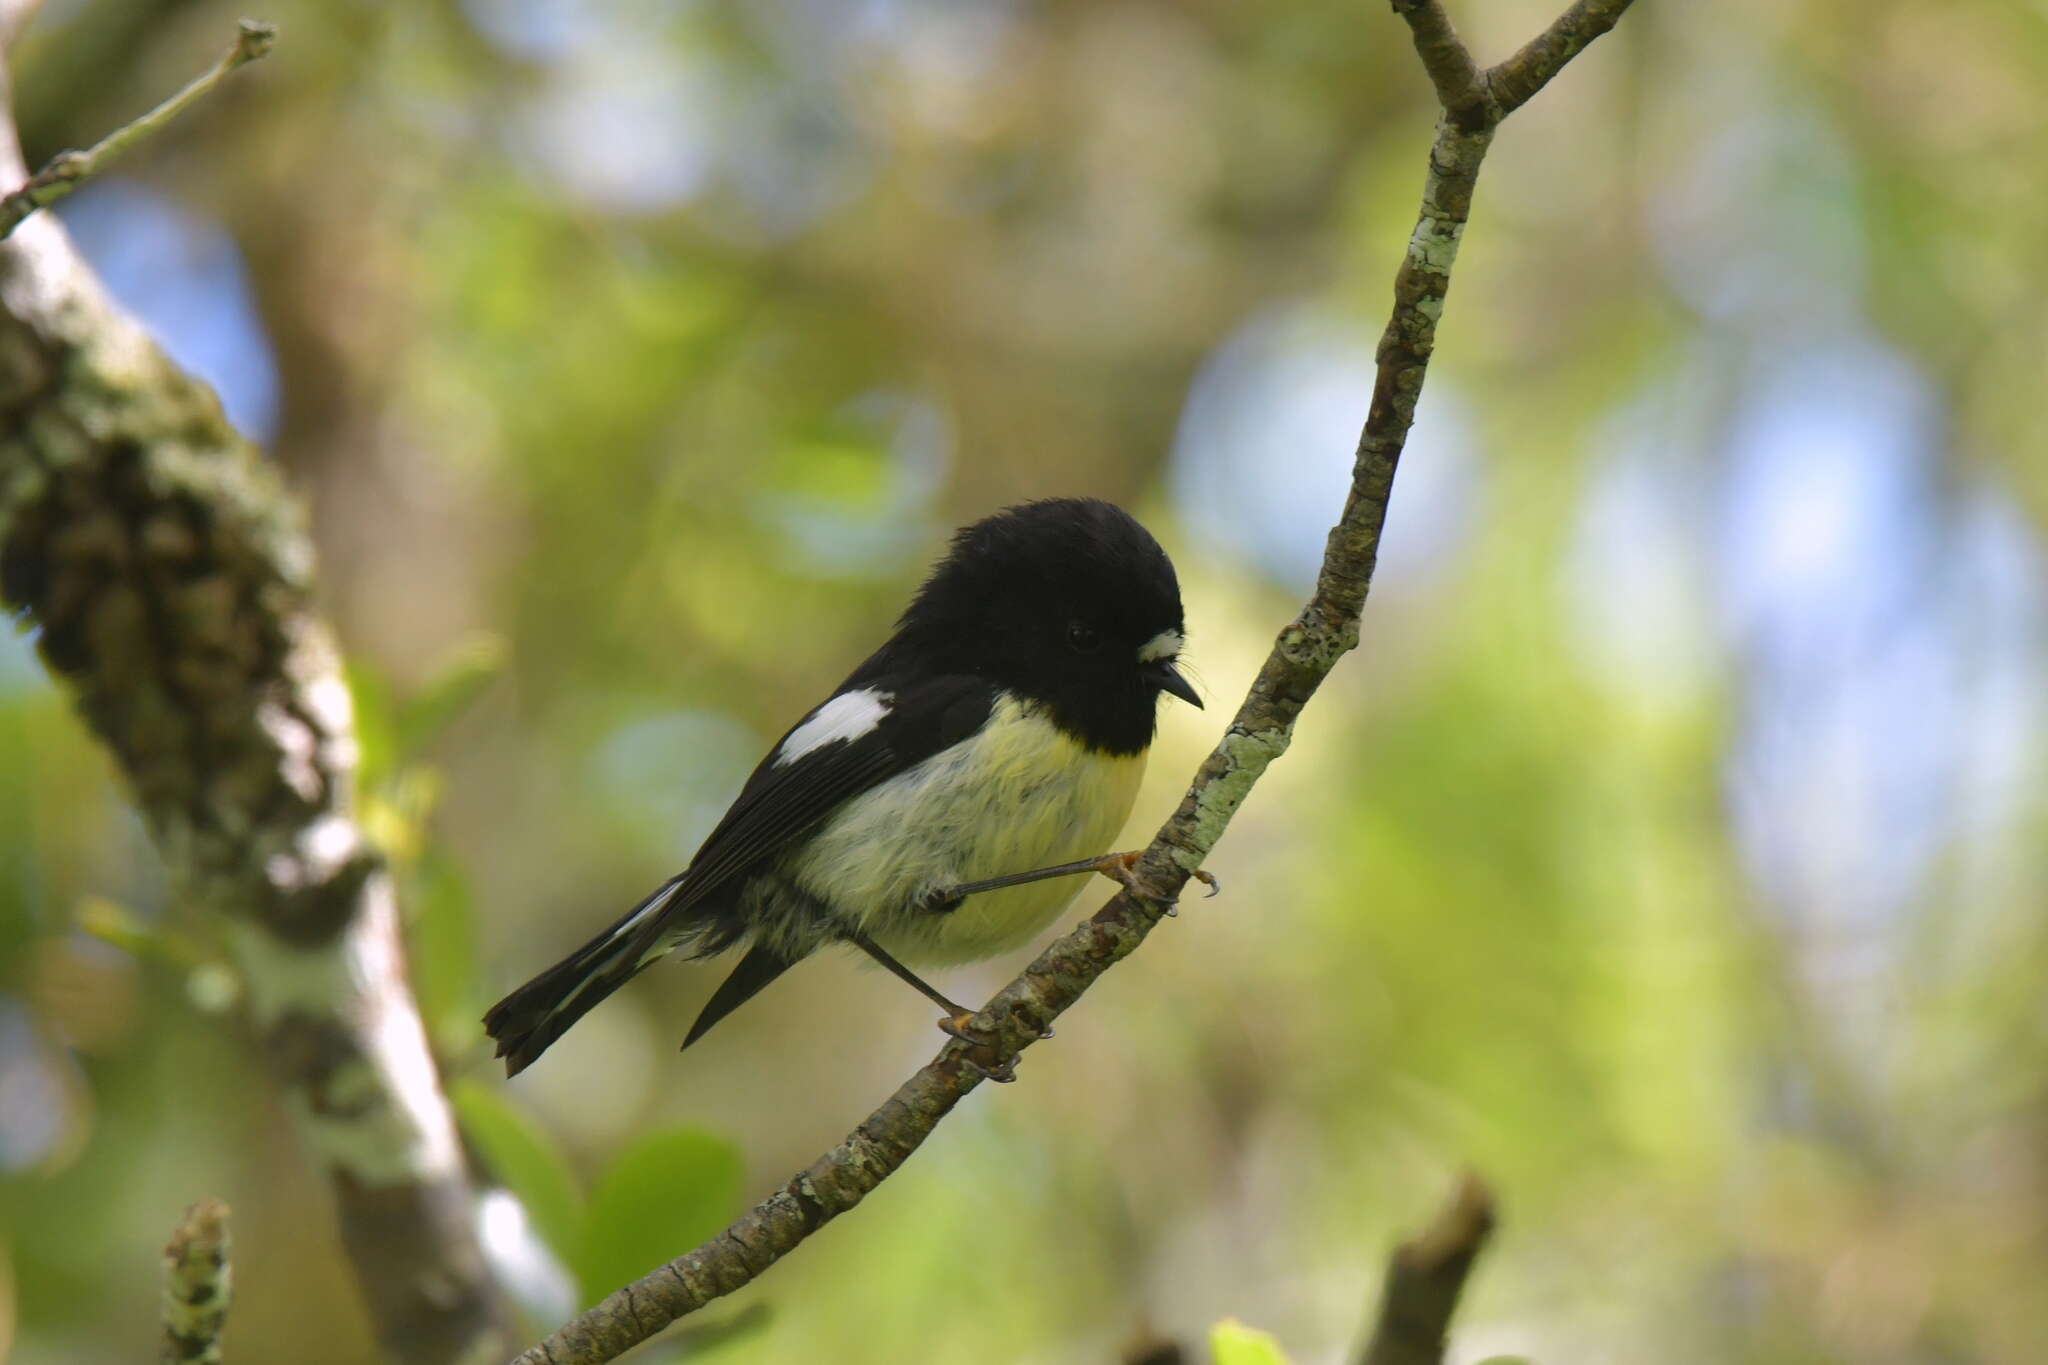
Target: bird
[(935, 808)]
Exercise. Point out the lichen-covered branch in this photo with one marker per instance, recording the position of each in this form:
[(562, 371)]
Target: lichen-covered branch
[(169, 579), (1425, 1277), (1019, 1014), (1515, 81), (198, 1282), (68, 170)]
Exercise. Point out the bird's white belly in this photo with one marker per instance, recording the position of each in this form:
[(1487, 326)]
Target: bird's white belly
[(1014, 796)]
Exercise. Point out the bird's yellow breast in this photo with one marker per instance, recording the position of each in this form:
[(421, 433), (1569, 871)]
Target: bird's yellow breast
[(1014, 796)]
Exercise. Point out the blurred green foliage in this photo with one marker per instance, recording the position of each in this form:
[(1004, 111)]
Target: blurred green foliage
[(665, 1191), (1233, 1343), (525, 1159), (1672, 851)]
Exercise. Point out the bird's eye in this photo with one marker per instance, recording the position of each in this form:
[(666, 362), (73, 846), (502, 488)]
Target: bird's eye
[(1083, 638)]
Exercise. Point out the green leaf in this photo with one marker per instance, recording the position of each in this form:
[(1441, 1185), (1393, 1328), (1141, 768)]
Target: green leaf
[(663, 1195), (114, 923), (441, 935), (376, 725), (524, 1159), (1233, 1343), (464, 673)]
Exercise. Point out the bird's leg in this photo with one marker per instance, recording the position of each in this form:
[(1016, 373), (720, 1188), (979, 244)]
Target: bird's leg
[(956, 1014), (959, 1020), (1115, 866)]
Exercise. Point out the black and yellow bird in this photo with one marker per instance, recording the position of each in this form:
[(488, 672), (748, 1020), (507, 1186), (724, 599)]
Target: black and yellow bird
[(930, 809)]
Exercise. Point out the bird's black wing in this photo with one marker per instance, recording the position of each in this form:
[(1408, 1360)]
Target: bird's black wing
[(783, 801)]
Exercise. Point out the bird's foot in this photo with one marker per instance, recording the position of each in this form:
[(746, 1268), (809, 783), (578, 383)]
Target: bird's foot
[(961, 1026), (943, 900), (1120, 868), (1002, 1073), (979, 1047)]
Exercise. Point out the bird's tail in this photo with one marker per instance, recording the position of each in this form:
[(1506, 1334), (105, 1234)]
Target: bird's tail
[(525, 1022)]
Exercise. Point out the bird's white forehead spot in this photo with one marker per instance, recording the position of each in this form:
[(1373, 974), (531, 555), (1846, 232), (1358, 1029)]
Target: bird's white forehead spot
[(847, 716), (1165, 645)]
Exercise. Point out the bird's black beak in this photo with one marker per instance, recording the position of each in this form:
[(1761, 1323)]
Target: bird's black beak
[(1167, 678)]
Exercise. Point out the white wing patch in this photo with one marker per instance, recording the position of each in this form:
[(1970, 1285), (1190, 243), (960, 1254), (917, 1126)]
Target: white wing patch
[(847, 716), (1165, 645)]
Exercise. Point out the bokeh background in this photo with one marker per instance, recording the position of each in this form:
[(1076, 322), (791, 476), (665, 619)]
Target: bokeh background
[(1672, 850)]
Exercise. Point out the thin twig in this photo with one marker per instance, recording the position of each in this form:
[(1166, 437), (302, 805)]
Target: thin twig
[(1460, 86), (198, 1282), (1020, 1013), (1515, 81), (68, 170), (1149, 1348), (1425, 1277)]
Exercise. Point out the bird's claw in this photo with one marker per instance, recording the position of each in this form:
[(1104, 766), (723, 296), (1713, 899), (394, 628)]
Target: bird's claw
[(1121, 869), (1117, 867), (1039, 1031), (1172, 908), (961, 1026)]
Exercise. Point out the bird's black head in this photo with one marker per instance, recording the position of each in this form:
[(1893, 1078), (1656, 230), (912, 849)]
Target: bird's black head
[(1068, 602)]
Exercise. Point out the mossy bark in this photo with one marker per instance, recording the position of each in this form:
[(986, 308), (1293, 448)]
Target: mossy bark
[(168, 578)]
